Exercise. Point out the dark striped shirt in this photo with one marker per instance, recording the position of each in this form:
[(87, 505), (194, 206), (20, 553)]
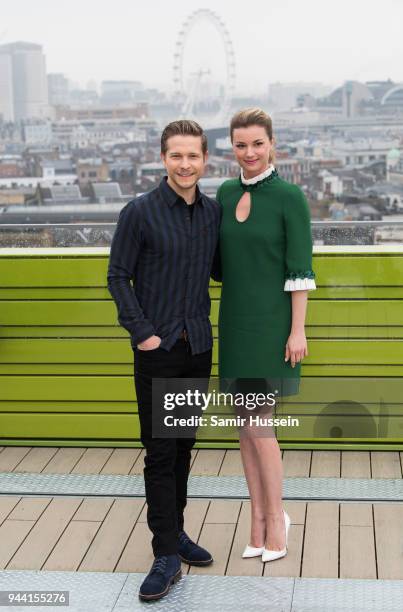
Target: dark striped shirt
[(168, 255)]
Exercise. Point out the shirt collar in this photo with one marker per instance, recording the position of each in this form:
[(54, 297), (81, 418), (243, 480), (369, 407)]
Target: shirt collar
[(258, 178), (171, 197)]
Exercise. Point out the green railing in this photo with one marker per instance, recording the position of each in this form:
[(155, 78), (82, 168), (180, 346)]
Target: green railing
[(66, 366)]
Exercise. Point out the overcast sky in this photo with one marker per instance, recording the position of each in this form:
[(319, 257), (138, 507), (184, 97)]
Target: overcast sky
[(281, 40)]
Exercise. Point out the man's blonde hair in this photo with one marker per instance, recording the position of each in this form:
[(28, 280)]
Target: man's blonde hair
[(183, 127)]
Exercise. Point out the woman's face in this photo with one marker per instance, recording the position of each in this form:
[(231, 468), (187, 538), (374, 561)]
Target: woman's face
[(252, 147)]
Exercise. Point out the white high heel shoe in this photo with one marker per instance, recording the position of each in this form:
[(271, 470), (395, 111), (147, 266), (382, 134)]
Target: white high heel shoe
[(251, 551), (272, 555)]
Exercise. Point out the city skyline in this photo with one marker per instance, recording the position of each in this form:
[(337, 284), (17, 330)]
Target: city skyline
[(322, 42)]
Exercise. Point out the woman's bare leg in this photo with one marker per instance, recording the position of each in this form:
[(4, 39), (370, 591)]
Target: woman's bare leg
[(256, 491), (271, 475)]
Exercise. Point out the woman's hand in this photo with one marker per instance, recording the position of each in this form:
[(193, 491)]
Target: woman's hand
[(296, 347)]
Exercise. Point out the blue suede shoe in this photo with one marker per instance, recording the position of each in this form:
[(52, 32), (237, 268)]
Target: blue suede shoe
[(165, 571), (192, 553)]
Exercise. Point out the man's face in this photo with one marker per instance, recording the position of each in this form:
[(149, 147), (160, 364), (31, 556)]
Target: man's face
[(184, 161)]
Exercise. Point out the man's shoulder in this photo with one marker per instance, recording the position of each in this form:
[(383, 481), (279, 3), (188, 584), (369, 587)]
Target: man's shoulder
[(137, 204), (211, 202)]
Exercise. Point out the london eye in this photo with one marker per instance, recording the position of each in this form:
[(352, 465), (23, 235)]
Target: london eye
[(188, 96)]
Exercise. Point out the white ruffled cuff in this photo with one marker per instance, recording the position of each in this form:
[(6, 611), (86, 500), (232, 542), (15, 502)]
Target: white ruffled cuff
[(299, 283)]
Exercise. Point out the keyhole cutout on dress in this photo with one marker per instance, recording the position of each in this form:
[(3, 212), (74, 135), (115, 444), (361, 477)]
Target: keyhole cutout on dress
[(242, 211)]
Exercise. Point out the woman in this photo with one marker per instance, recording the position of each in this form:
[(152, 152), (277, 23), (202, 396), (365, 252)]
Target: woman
[(266, 273)]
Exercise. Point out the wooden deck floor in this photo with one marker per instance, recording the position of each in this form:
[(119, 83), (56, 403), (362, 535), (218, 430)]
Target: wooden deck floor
[(327, 539)]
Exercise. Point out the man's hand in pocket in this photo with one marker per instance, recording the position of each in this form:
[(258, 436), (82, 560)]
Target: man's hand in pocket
[(150, 344)]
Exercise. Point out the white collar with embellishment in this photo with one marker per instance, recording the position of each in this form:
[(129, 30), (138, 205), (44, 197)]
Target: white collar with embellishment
[(257, 178)]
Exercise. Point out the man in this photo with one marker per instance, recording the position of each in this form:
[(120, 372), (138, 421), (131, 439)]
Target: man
[(165, 242)]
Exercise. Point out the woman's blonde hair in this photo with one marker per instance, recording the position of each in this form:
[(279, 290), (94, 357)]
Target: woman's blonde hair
[(253, 116)]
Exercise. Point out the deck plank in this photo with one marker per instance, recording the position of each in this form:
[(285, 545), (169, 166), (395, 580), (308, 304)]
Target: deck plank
[(296, 463), (195, 515), (137, 555), (232, 464), (296, 511), (121, 461), (138, 465), (355, 514), (143, 514), (72, 546), (37, 546), (357, 552), (93, 509), (6, 506), (325, 464), (64, 461), (12, 456), (320, 555), (355, 464), (193, 453), (106, 548), (37, 459), (223, 511), (389, 540), (217, 539), (92, 461), (30, 508), (208, 462), (357, 545), (385, 464), (12, 534), (236, 565)]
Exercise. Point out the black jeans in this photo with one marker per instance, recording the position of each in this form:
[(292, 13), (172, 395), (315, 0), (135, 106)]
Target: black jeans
[(167, 460)]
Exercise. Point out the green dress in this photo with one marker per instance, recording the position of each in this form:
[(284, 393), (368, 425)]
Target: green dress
[(263, 259)]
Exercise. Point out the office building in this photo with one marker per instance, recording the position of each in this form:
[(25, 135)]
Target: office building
[(28, 77), (120, 92), (58, 88), (6, 88)]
